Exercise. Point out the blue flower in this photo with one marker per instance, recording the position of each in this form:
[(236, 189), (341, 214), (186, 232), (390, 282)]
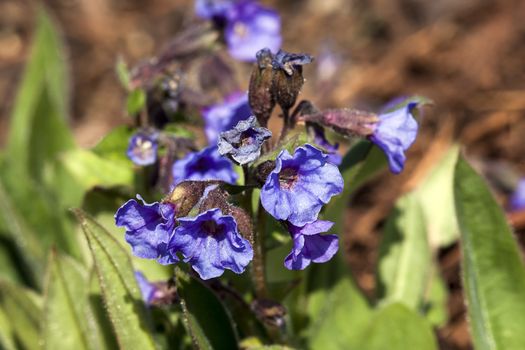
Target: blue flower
[(300, 185), (310, 246), (142, 148), (251, 27), (204, 165), (209, 9), (517, 200), (147, 289), (148, 228), (394, 134), (289, 62), (243, 142), (319, 139), (211, 243), (226, 115)]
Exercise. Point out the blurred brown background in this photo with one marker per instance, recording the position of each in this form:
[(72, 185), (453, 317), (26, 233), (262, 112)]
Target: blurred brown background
[(468, 56)]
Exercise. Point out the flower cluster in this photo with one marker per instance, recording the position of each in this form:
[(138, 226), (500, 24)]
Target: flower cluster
[(248, 26), (209, 241), (207, 220)]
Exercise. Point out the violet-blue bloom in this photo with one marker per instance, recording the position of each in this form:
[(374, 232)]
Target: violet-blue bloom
[(211, 243), (243, 142), (226, 115), (290, 61), (251, 27), (309, 245), (319, 138), (209, 9), (300, 185), (148, 228), (147, 289), (207, 164), (394, 134), (142, 148), (517, 200)]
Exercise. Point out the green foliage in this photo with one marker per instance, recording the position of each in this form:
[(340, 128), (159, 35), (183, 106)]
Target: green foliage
[(493, 270), (404, 256), (20, 310), (396, 327), (119, 288), (135, 101), (198, 305), (68, 322)]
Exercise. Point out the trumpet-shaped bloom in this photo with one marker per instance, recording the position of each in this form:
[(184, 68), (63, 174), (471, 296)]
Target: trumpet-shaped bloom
[(309, 245), (251, 27), (148, 228), (207, 164), (243, 142), (394, 134), (300, 185), (211, 243), (226, 115), (142, 148)]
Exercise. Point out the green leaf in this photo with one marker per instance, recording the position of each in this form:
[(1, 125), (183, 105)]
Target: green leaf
[(29, 247), (435, 306), (205, 318), (114, 144), (396, 327), (136, 101), (7, 340), (68, 322), (404, 255), (91, 170), (23, 310), (39, 128), (121, 294), (337, 315), (437, 192), (360, 164), (493, 270)]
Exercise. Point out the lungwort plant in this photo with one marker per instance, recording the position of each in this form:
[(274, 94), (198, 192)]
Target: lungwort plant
[(231, 237)]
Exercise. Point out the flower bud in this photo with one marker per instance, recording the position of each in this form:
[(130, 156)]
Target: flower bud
[(244, 222), (263, 170), (347, 122), (185, 196), (288, 77), (260, 94)]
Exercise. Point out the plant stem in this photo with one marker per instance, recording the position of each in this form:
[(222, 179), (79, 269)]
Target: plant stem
[(259, 272)]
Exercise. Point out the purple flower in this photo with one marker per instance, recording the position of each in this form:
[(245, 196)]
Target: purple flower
[(300, 185), (209, 9), (147, 289), (289, 62), (204, 165), (142, 148), (226, 115), (148, 228), (333, 156), (394, 134), (211, 243), (517, 200), (310, 246), (243, 142), (251, 27)]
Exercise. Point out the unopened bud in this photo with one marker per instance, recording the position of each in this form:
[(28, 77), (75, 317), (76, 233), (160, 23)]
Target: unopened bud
[(244, 222), (263, 170), (347, 122), (185, 196), (288, 77), (260, 94)]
